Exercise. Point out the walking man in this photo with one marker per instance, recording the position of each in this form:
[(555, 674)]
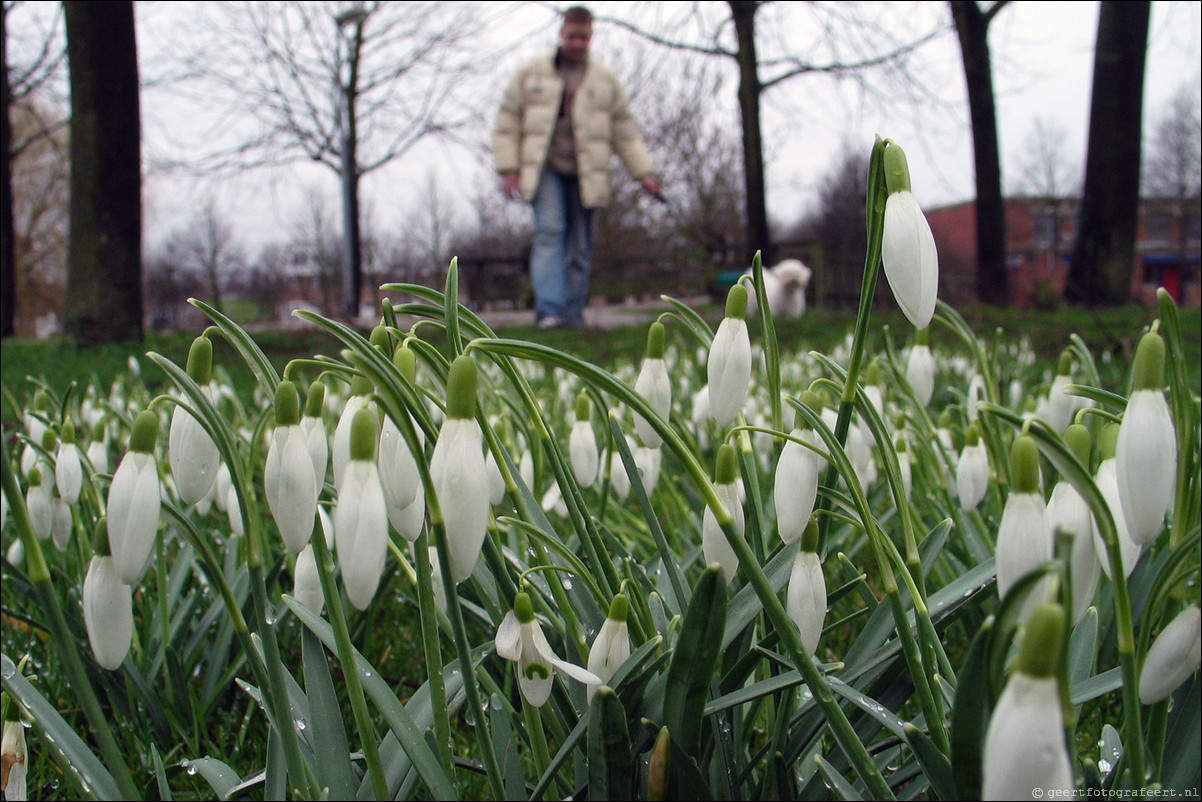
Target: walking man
[(561, 120)]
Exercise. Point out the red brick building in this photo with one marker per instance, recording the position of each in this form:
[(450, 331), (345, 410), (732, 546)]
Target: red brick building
[(1040, 234)]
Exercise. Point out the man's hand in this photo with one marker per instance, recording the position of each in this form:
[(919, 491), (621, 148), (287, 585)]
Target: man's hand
[(509, 185), (651, 186)]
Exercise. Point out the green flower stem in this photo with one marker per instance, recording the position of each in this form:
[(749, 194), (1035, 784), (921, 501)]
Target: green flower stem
[(428, 616), (1185, 423), (368, 737), (39, 575), (1053, 447), (771, 345), (538, 738), (844, 733)]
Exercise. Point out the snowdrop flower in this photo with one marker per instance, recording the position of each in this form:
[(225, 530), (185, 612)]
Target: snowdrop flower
[(806, 598), (341, 451), (1025, 755), (526, 468), (1024, 537), (134, 501), (797, 473), (98, 449), (457, 471), (945, 449), (654, 386), (648, 461), (521, 639), (39, 502), (496, 479), (972, 471), (68, 467), (288, 480), (920, 368), (193, 454), (903, 464), (619, 480), (612, 645), (35, 428), (404, 495), (313, 425), (306, 581), (1059, 407), (360, 517), (976, 389), (1069, 516), (1106, 478), (1172, 657), (14, 755), (107, 605), (729, 365), (714, 545), (1146, 454), (222, 489), (907, 245), (582, 444), (61, 524)]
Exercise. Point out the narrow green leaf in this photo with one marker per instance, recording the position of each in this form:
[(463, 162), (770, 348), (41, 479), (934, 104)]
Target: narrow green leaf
[(610, 771), (694, 661), (220, 777), (160, 774), (1180, 769), (511, 759), (327, 730), (970, 717), (839, 787), (935, 764), (48, 721), (258, 362), (1083, 648)]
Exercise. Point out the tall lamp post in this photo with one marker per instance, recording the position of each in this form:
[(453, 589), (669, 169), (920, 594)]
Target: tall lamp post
[(352, 18)]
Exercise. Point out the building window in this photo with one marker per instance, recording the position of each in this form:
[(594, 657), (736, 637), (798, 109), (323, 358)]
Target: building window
[(1158, 228), (1045, 230), (1193, 229)]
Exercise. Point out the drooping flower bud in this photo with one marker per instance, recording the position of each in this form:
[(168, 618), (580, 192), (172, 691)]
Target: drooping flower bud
[(1172, 657), (193, 454), (404, 494), (1146, 454), (920, 369), (288, 479), (317, 442), (1024, 538), (341, 452), (39, 502), (107, 605), (1107, 481), (582, 444), (68, 468), (972, 471), (806, 598), (797, 472), (714, 545), (907, 246), (612, 645), (654, 386), (729, 366), (1069, 516), (134, 501), (1025, 755), (360, 517), (457, 471)]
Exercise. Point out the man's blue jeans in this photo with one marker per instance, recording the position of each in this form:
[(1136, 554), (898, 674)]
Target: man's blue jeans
[(563, 246)]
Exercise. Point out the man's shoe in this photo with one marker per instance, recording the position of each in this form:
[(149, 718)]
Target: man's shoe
[(550, 322)]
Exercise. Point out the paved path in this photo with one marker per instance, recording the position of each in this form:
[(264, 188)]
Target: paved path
[(597, 316)]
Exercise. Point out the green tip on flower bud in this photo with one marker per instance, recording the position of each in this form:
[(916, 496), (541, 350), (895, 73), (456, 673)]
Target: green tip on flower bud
[(68, 432), (946, 419), (973, 435), (655, 341), (736, 302), (1108, 441), (813, 400), (145, 433), (897, 171), (1042, 642), (361, 385), (725, 471), (41, 401), (1078, 440), (523, 608), (98, 430), (461, 388), (922, 336), (809, 538), (100, 538), (1149, 363), (873, 375), (405, 360), (49, 440), (619, 608), (1024, 465), (584, 407), (287, 404), (1065, 366), (365, 432), (900, 444), (35, 477), (315, 400), (200, 360)]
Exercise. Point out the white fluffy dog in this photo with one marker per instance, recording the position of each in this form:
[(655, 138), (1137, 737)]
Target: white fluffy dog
[(785, 285)]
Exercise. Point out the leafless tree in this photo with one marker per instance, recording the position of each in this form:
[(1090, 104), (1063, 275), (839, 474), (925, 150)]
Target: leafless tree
[(872, 46), (1046, 167), (1173, 168), (34, 56), (351, 85), (207, 247), (315, 259)]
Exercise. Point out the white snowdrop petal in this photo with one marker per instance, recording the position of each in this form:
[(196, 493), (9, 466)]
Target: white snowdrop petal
[(1172, 657), (729, 369), (909, 258), (1146, 463), (806, 598), (461, 485), (1024, 755), (107, 613)]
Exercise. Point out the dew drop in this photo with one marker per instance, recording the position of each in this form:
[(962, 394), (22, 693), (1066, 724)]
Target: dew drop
[(1104, 766)]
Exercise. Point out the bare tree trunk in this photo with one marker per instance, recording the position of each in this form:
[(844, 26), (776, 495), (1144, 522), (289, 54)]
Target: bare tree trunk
[(104, 252), (743, 13), (972, 27), (1104, 256), (8, 257)]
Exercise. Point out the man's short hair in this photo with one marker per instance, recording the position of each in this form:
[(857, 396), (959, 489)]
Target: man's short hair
[(578, 14)]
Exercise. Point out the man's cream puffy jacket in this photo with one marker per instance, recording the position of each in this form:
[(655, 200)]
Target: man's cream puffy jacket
[(601, 123)]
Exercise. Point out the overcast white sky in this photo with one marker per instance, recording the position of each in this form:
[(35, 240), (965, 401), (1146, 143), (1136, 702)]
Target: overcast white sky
[(1042, 59)]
